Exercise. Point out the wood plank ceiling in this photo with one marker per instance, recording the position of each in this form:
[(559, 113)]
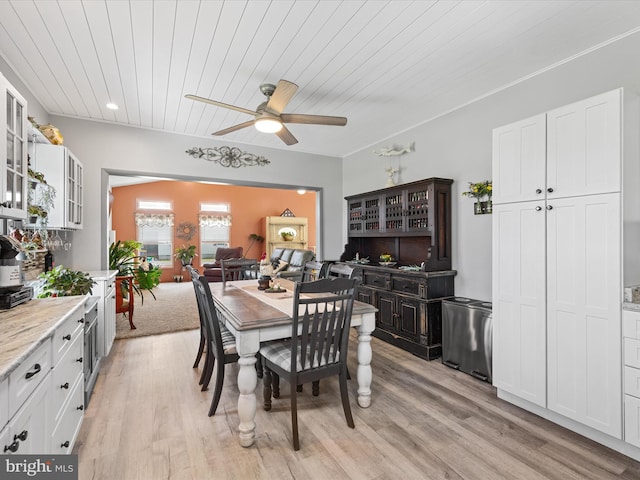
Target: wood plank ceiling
[(386, 65)]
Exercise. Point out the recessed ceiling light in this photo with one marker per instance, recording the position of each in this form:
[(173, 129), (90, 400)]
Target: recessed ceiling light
[(302, 191), (112, 106)]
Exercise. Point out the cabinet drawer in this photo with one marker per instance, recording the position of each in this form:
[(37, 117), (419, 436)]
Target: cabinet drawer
[(65, 374), (632, 381), (632, 420), (409, 286), (631, 324), (372, 279), (65, 334), (67, 428), (4, 402), (24, 379), (632, 352)]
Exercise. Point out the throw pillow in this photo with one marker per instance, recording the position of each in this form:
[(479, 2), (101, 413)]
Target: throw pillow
[(281, 266)]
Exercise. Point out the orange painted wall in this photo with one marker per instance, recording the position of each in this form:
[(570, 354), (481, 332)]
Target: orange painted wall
[(249, 206)]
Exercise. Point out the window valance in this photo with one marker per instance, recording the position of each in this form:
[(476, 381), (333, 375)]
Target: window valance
[(154, 219), (215, 220)]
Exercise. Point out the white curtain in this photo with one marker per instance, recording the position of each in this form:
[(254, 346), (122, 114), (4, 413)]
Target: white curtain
[(215, 220), (154, 219)]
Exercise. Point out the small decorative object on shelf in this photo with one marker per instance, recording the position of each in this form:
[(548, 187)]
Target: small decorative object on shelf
[(479, 191), (287, 213)]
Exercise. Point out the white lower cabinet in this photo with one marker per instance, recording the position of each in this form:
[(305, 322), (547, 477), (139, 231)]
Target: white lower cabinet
[(29, 429), (105, 289), (631, 356), (42, 400)]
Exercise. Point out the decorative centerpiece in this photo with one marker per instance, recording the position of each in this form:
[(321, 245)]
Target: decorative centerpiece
[(386, 260)]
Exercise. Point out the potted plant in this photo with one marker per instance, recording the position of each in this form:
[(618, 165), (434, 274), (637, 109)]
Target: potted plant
[(186, 255), (254, 237), (287, 235), (478, 191), (63, 282), (123, 257)]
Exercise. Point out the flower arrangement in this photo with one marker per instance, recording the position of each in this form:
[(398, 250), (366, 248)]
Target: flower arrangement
[(479, 190)]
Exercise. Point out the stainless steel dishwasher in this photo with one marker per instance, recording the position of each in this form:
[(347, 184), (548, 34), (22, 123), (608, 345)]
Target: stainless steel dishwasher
[(467, 336)]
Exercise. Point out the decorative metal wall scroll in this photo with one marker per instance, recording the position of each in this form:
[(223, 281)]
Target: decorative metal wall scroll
[(228, 156)]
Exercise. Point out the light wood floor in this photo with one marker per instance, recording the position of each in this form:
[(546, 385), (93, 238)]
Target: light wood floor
[(148, 420)]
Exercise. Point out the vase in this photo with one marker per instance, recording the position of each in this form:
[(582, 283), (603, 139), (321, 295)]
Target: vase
[(477, 208), (489, 208)]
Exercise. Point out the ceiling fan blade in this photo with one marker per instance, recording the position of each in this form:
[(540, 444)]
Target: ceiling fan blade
[(284, 91), (286, 136), (220, 104), (313, 119), (233, 129)]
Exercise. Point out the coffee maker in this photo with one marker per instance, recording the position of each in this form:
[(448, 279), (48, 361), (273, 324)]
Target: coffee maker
[(12, 289)]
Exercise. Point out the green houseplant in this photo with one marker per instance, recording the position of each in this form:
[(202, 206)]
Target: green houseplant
[(186, 254), (63, 282), (123, 257)]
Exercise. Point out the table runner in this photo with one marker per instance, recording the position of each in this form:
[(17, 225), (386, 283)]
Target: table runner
[(282, 301)]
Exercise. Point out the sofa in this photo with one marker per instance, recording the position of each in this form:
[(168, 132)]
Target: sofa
[(289, 262), (213, 271)]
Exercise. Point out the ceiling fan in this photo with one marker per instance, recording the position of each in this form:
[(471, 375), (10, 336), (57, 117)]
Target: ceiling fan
[(269, 117)]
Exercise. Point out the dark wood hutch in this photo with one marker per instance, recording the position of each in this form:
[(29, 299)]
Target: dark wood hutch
[(412, 222)]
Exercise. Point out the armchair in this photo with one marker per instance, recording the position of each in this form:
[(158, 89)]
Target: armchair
[(213, 271)]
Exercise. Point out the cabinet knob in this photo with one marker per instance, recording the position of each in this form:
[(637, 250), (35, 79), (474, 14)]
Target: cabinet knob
[(13, 447), (67, 337), (79, 359), (21, 436), (538, 191), (6, 204), (538, 208), (81, 320), (80, 407), (549, 207), (35, 371), (65, 386), (65, 444), (550, 190)]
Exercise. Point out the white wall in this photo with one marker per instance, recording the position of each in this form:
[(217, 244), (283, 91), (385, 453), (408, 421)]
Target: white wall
[(458, 146), (105, 148)]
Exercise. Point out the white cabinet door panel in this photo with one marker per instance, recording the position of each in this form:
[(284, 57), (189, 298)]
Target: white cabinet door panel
[(584, 142), (632, 420), (519, 161), (519, 332), (583, 310)]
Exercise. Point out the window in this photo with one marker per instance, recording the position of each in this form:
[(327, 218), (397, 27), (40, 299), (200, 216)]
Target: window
[(155, 232), (214, 229)]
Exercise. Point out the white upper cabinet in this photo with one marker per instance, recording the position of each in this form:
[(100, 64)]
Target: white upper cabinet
[(569, 151), (584, 145), (519, 152), (13, 144), (64, 172)]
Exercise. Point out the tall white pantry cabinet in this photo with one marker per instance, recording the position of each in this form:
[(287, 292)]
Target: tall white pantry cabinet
[(557, 266)]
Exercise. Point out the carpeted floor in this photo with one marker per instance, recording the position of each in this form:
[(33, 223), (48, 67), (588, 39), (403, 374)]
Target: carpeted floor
[(175, 309)]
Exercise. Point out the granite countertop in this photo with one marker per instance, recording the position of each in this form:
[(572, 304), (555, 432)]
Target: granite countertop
[(102, 274), (631, 306), (25, 327)]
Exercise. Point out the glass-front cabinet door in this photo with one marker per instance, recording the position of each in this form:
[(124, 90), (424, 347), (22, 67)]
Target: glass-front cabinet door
[(13, 197)]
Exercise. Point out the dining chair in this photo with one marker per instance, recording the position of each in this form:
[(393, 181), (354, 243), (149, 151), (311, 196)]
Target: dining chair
[(318, 345), (313, 270), (220, 342), (239, 269), (203, 338), (339, 270)]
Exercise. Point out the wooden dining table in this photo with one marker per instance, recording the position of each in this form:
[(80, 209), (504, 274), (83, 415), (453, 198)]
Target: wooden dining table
[(255, 316)]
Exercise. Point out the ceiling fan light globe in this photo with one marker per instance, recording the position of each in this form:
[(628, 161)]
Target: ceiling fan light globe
[(268, 125)]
